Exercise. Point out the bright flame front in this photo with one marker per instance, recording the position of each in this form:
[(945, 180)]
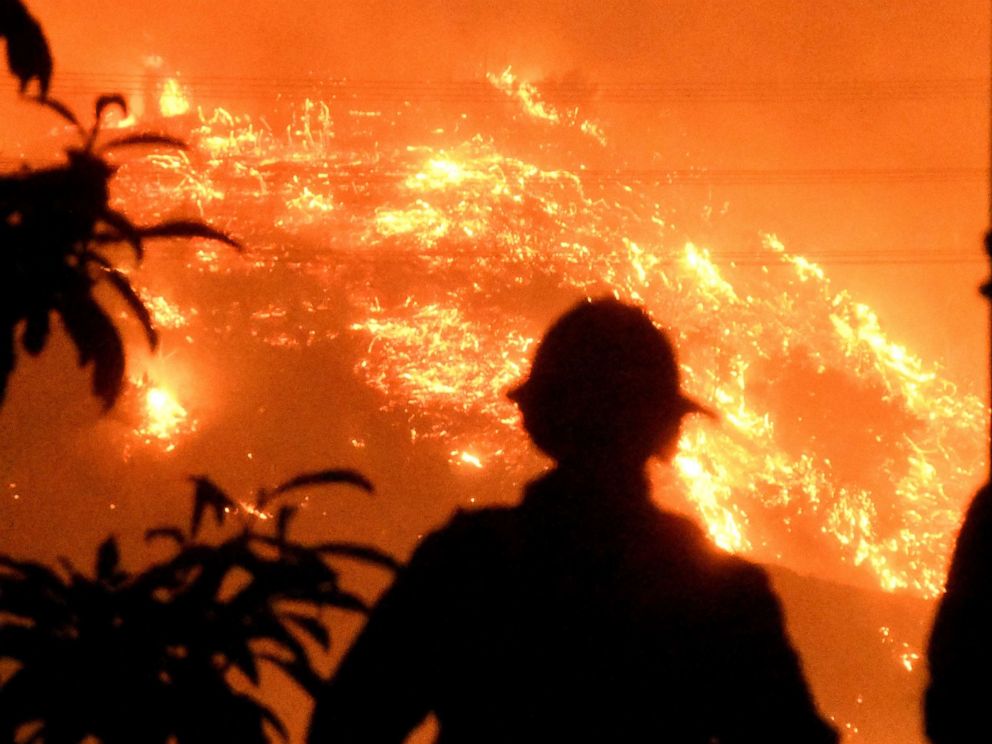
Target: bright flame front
[(164, 421), (839, 451)]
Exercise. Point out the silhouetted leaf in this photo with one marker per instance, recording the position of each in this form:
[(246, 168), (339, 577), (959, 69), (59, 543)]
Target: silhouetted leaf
[(7, 358), (62, 110), (126, 229), (176, 571), (300, 671), (107, 100), (32, 602), (187, 229), (204, 588), (123, 286), (98, 259), (312, 627), (108, 369), (97, 340), (208, 495), (66, 208), (283, 518), (176, 624), (269, 628), (239, 653), (28, 55), (37, 573), (268, 716), (346, 601), (262, 497), (108, 560), (36, 331), (22, 602), (70, 569), (323, 477), (102, 103), (155, 140)]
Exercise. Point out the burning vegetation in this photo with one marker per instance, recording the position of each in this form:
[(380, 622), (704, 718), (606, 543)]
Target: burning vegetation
[(839, 450), (435, 236)]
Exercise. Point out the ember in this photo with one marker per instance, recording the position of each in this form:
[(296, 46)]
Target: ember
[(164, 418), (484, 230), (173, 100)]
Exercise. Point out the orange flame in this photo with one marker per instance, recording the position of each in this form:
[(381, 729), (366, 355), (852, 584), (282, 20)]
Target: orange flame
[(487, 232), (164, 419), (173, 100)]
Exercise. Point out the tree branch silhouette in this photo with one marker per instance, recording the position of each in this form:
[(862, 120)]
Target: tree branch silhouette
[(28, 54), (55, 224), (165, 652)]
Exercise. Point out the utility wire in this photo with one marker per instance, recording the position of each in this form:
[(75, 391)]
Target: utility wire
[(482, 91)]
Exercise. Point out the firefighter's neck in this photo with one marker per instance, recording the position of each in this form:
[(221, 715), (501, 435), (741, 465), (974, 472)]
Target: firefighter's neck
[(605, 470)]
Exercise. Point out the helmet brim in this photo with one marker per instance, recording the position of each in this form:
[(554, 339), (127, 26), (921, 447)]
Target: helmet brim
[(685, 405)]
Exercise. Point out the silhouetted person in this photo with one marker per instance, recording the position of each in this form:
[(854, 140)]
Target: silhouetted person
[(960, 651), (585, 614)]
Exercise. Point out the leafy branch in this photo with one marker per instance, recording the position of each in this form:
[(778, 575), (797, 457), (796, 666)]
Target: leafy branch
[(54, 226), (169, 652)]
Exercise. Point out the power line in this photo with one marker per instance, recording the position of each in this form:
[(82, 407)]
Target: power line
[(482, 91)]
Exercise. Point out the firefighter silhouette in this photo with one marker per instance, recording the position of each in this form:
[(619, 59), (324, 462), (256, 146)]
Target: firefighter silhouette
[(585, 613)]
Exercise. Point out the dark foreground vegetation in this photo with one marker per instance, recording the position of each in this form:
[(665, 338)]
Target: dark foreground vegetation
[(173, 651)]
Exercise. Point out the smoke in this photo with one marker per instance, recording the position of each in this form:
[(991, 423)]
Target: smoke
[(685, 39), (770, 87)]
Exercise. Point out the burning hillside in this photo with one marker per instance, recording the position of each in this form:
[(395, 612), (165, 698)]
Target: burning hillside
[(435, 236)]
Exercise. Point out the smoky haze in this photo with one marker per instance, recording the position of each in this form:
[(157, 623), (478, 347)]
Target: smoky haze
[(775, 85), (764, 40), (809, 101)]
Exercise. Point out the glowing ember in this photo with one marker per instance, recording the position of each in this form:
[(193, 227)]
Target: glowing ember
[(905, 655), (468, 459), (440, 358), (252, 511), (164, 418), (527, 94), (164, 313), (535, 107), (440, 241), (173, 100)]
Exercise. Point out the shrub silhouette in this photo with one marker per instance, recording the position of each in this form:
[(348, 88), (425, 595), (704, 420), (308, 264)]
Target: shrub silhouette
[(171, 652), (53, 224), (28, 55)]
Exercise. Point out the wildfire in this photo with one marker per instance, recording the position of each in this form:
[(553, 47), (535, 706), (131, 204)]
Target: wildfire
[(173, 100), (907, 657), (483, 232), (164, 419), (164, 313), (533, 104)]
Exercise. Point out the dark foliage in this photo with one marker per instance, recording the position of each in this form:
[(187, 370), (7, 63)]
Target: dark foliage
[(171, 652), (28, 55), (54, 223)]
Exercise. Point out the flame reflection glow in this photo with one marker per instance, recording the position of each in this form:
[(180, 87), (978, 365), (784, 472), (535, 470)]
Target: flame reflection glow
[(164, 419)]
